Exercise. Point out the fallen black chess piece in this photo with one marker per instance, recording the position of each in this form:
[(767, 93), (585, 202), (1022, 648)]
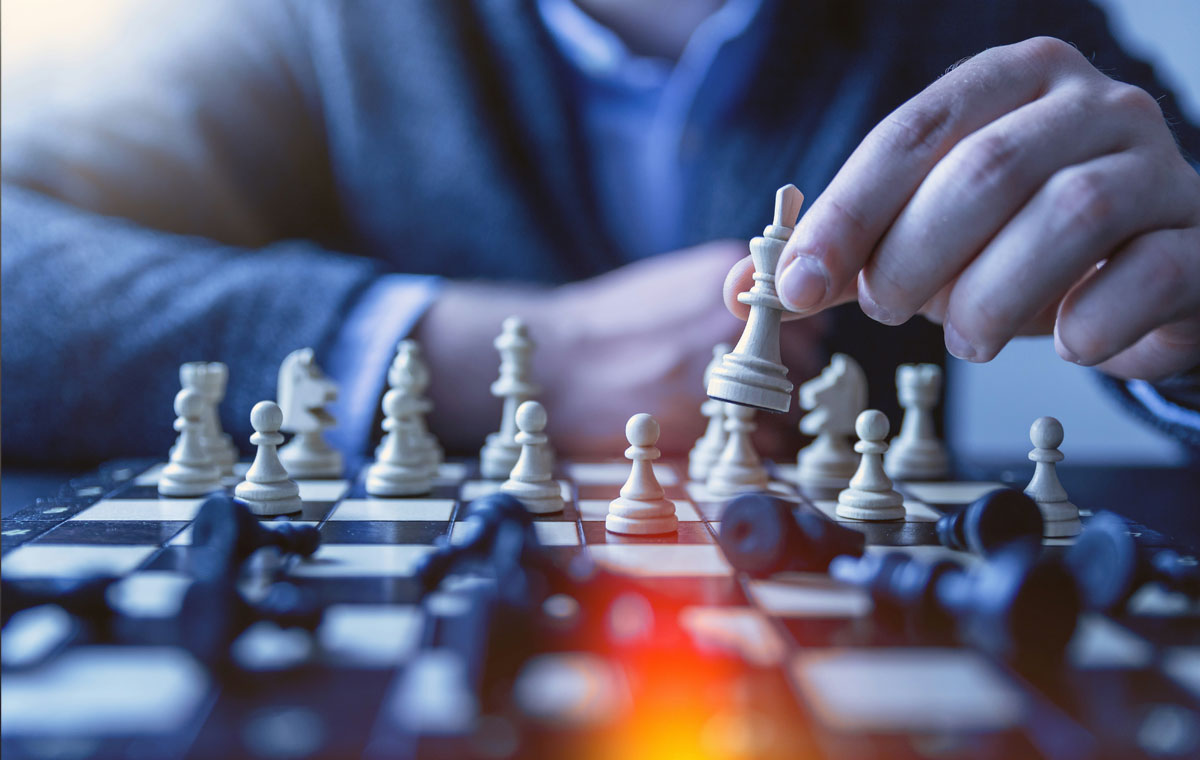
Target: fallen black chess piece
[(1110, 566), (762, 535), (997, 519), (1015, 605), (232, 533)]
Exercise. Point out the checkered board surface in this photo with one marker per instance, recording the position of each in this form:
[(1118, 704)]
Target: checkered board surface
[(836, 684)]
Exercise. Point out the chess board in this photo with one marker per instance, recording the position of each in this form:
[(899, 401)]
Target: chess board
[(817, 677)]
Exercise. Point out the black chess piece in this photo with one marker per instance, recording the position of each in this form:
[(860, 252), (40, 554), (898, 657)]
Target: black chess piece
[(1014, 606), (234, 533), (1110, 566), (497, 526), (214, 614), (994, 520), (762, 534)]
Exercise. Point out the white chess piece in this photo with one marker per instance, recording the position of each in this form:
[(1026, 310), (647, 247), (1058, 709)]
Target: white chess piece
[(753, 374), (191, 470), (210, 379), (708, 447), (835, 398), (1060, 515), (267, 489), (501, 450), (408, 350), (531, 481), (303, 393), (870, 495), (401, 466), (917, 454), (642, 509), (738, 469)]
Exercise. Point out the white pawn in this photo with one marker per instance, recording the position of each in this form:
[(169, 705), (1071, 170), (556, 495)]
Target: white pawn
[(834, 399), (531, 481), (408, 352), (267, 489), (191, 470), (870, 495), (708, 447), (402, 465), (917, 454), (642, 508), (1060, 515), (501, 450), (738, 469)]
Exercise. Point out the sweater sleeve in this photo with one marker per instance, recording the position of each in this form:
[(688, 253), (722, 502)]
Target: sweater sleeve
[(167, 197)]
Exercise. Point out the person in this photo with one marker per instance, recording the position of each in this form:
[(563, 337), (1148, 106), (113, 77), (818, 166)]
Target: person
[(236, 180)]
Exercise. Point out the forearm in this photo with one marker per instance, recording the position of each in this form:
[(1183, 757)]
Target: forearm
[(99, 313)]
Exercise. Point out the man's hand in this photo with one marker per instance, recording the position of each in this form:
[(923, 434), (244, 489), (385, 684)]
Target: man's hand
[(634, 340), (1023, 192)]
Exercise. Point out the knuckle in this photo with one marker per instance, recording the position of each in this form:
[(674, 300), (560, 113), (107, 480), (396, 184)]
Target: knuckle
[(1082, 201), (986, 159), (1128, 98), (917, 127), (1049, 51)]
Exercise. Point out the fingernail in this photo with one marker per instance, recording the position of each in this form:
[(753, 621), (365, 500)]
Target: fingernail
[(957, 345), (803, 284), (1066, 353), (873, 310)]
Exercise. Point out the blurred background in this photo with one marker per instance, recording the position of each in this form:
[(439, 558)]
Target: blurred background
[(989, 407)]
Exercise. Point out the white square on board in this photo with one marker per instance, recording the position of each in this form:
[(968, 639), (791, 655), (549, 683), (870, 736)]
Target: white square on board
[(476, 489), (810, 595), (949, 492), (322, 490), (150, 593), (907, 690), (354, 560), (104, 691), (662, 560), (73, 560), (371, 635), (151, 510), (400, 510)]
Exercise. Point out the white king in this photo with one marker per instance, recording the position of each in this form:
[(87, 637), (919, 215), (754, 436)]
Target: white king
[(753, 374)]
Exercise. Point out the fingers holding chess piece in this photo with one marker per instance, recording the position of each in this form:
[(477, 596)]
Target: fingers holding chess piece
[(191, 470), (753, 373), (1061, 516), (531, 481), (642, 509), (870, 495), (267, 489)]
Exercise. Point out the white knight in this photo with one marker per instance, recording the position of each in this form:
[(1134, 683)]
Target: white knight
[(303, 393)]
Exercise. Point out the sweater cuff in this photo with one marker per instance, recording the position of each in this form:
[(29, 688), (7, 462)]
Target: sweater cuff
[(359, 358)]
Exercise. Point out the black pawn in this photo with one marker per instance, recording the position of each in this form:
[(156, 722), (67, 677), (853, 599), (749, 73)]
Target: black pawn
[(216, 614), (996, 519), (1110, 566), (229, 527), (762, 535)]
